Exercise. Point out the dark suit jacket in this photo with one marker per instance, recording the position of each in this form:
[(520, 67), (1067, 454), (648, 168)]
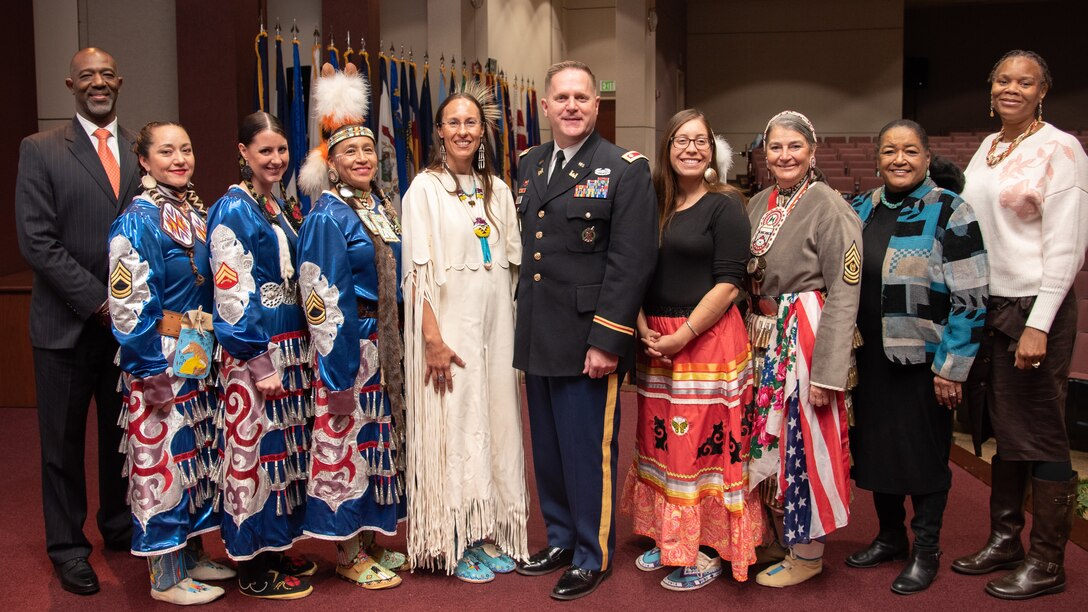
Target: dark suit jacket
[(590, 246), (64, 205)]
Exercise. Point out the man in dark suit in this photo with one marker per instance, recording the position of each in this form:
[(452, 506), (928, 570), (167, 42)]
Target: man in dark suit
[(72, 182), (589, 231)]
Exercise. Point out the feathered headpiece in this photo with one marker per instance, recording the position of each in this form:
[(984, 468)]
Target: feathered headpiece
[(341, 102), (723, 156), (485, 97)]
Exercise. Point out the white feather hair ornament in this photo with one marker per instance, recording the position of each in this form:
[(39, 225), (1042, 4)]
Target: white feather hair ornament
[(340, 99), (723, 156), (486, 99)]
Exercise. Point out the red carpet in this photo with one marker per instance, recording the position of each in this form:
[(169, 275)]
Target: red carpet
[(29, 582)]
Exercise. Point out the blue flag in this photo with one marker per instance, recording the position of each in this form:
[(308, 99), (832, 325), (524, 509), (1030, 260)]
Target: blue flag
[(334, 57), (426, 118), (282, 105), (398, 126), (413, 125), (442, 91), (296, 131)]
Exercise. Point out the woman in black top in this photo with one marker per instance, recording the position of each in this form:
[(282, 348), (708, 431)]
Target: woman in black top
[(688, 486)]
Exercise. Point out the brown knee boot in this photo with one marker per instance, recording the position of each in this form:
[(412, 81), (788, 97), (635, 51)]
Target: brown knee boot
[(1042, 571), (1004, 549)]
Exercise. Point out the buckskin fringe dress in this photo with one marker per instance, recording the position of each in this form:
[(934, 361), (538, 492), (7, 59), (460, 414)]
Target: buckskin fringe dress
[(466, 464), (354, 484), (169, 453), (263, 440)]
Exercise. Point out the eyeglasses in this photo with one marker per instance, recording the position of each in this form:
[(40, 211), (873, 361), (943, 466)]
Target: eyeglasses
[(354, 152), (682, 142), (470, 124)]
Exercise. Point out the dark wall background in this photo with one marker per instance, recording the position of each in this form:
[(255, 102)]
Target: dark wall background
[(960, 43), (20, 120)]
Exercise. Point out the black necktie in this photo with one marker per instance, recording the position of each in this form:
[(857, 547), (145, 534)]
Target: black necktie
[(560, 157)]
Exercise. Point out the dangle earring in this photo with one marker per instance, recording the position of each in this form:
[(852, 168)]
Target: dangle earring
[(710, 175), (480, 157), (148, 182), (991, 107), (244, 169), (442, 147), (1040, 110)]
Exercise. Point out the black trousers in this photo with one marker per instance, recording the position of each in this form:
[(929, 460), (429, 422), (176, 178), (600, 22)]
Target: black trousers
[(65, 382), (928, 516)]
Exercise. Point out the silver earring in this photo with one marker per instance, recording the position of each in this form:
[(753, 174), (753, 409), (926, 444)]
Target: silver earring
[(442, 147), (148, 182), (480, 157), (710, 175)]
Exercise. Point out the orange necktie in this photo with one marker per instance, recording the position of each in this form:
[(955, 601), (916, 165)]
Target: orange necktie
[(109, 162)]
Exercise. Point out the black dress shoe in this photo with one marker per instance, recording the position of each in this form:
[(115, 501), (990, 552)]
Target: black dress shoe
[(884, 548), (546, 561), (577, 582), (919, 573), (77, 576)]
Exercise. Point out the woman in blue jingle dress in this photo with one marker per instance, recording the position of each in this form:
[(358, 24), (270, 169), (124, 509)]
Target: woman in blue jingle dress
[(264, 368), (159, 298), (349, 271)]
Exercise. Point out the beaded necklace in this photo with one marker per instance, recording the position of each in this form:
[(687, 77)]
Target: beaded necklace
[(993, 160), (885, 202), (480, 227), (271, 210)]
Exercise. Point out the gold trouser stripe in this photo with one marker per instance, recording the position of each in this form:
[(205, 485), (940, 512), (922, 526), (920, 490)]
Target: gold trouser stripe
[(606, 468)]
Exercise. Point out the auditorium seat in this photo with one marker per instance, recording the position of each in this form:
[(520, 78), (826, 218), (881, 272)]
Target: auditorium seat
[(832, 167), (843, 184), (866, 183)]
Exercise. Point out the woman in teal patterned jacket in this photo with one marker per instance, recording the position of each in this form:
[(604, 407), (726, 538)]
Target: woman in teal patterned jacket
[(924, 287)]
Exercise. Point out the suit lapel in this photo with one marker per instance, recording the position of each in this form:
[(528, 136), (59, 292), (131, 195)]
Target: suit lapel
[(130, 167), (574, 171), (80, 146)]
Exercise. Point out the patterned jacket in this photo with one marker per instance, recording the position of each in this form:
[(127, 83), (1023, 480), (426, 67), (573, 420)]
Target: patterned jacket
[(935, 281)]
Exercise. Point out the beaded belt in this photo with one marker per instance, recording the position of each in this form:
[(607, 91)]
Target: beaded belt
[(668, 311)]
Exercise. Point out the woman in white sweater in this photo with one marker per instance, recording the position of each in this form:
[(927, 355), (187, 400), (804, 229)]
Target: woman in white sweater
[(1027, 184)]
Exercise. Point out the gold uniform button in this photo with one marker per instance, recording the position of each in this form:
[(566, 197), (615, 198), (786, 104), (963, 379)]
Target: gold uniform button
[(540, 214), (539, 235), (536, 276), (536, 256), (587, 215)]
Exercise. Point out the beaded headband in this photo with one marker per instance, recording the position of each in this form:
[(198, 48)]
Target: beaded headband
[(350, 131), (794, 113)]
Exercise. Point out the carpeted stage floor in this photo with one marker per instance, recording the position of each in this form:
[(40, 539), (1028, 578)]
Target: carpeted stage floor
[(29, 583)]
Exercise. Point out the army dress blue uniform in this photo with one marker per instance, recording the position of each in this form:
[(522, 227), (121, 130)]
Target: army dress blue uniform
[(590, 245), (263, 443), (354, 484), (168, 452)]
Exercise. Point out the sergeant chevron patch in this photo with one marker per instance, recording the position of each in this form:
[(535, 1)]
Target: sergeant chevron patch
[(851, 265), (120, 282), (314, 308)]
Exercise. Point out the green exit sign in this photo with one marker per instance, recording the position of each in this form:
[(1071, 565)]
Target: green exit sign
[(608, 86)]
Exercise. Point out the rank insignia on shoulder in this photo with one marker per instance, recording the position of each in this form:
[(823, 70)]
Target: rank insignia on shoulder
[(851, 265), (633, 156), (522, 154), (120, 282), (225, 277), (314, 308)]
